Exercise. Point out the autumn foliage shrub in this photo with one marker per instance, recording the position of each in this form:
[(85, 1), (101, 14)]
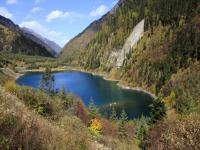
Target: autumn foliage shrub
[(109, 128), (81, 112), (95, 127)]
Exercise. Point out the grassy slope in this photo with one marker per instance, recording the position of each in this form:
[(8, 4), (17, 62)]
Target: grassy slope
[(21, 127)]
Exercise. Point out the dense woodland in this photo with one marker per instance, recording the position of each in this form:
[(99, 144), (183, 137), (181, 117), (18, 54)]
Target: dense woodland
[(119, 25), (113, 34)]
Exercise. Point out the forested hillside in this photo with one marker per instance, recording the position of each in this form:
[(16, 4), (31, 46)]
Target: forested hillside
[(165, 62), (110, 34), (13, 40), (171, 41)]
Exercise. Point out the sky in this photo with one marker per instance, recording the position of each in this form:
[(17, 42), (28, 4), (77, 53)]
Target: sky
[(57, 20)]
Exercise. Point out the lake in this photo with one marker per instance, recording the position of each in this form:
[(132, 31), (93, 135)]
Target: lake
[(104, 93)]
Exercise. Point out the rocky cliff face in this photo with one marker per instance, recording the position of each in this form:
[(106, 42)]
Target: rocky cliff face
[(117, 58)]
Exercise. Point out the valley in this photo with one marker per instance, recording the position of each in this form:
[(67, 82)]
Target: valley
[(130, 80)]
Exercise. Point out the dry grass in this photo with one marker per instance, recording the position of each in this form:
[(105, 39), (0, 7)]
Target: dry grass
[(22, 128), (181, 134)]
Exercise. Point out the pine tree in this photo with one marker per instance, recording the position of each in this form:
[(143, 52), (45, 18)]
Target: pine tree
[(122, 122), (92, 109), (142, 127), (113, 115), (47, 82), (158, 110)]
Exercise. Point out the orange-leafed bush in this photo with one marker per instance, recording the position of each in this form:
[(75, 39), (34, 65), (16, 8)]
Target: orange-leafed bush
[(81, 112), (109, 128)]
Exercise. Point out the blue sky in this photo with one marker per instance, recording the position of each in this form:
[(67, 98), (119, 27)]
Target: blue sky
[(57, 20)]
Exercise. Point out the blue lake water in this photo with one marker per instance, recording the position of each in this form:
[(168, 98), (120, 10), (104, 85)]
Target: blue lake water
[(104, 93)]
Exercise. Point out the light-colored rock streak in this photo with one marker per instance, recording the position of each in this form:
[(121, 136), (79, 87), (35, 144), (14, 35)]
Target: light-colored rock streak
[(130, 43)]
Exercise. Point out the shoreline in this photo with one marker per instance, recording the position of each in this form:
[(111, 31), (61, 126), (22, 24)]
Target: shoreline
[(139, 89), (102, 75), (11, 73)]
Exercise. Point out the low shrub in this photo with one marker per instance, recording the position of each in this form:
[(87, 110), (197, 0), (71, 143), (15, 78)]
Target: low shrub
[(95, 127), (10, 86)]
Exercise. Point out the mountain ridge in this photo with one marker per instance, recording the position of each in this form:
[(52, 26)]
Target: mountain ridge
[(20, 41), (51, 46), (80, 41)]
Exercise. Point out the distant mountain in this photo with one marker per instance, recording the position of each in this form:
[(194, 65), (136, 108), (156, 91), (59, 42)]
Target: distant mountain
[(51, 46), (13, 39)]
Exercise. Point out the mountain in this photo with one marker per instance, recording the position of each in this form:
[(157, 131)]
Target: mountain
[(51, 46), (105, 35), (152, 44), (136, 32), (13, 39), (76, 46)]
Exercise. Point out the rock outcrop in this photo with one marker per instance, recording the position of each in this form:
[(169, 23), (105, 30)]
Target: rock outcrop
[(117, 57)]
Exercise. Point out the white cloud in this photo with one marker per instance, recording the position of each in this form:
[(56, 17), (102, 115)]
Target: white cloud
[(4, 12), (58, 37), (101, 10), (35, 9), (56, 14), (11, 2)]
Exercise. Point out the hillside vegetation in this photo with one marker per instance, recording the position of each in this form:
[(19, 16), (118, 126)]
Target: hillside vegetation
[(23, 128), (164, 62), (13, 40)]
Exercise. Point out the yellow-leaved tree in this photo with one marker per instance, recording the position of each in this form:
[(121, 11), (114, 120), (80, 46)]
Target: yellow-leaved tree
[(95, 127)]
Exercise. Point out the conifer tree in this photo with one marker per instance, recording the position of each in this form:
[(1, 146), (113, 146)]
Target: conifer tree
[(92, 109), (158, 110), (142, 127), (122, 122), (47, 82), (113, 115)]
